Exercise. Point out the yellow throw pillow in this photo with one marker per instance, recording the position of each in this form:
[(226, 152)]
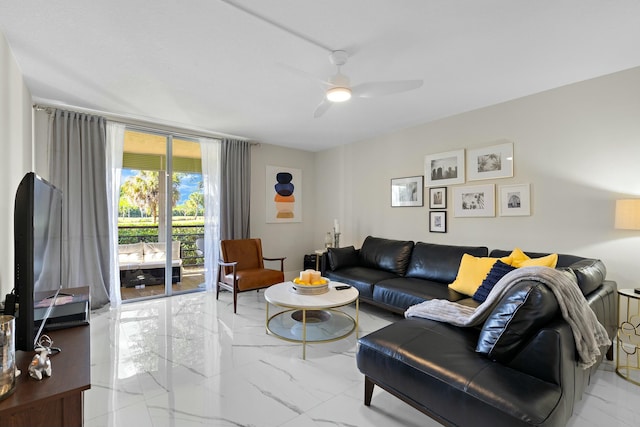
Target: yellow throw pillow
[(472, 272), (520, 259), (517, 257)]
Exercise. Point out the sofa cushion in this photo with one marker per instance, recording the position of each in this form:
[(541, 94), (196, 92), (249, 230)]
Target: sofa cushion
[(402, 292), (342, 257), (496, 273), (564, 260), (439, 263), (590, 273), (472, 272), (519, 314), (386, 254), (130, 253), (361, 278), (154, 252)]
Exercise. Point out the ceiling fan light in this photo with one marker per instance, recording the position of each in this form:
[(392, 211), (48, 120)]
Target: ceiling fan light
[(339, 94)]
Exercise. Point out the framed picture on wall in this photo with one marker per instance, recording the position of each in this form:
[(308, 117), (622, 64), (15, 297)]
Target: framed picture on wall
[(438, 198), (495, 161), (515, 200), (407, 191), (438, 221), (283, 194), (474, 201), (444, 168)]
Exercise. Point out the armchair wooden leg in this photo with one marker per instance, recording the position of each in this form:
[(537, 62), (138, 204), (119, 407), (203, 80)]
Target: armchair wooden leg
[(235, 301)]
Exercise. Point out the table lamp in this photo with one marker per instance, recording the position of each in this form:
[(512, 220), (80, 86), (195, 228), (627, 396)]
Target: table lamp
[(628, 214)]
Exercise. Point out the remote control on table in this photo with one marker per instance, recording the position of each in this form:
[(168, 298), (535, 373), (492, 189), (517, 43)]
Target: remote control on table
[(341, 287)]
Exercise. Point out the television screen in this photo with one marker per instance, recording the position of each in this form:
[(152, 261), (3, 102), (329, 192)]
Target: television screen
[(38, 248)]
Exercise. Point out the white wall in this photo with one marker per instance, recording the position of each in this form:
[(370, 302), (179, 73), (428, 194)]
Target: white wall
[(295, 239), (578, 146), (15, 161)]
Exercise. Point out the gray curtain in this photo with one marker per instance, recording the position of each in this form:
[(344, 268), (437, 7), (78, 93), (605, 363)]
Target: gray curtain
[(235, 188), (77, 164)]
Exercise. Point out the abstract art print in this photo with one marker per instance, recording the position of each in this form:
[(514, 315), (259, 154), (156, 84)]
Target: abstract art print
[(283, 194)]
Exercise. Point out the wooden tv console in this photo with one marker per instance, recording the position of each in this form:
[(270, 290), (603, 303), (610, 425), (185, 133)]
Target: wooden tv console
[(57, 400)]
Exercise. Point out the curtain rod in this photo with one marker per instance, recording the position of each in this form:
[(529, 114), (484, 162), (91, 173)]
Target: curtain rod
[(139, 123)]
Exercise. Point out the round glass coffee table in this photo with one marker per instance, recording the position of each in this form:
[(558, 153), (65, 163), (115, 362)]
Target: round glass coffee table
[(311, 318)]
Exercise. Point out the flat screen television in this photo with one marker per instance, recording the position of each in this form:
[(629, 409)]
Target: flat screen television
[(38, 255)]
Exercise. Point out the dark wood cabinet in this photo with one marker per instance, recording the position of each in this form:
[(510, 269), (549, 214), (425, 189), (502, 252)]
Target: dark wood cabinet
[(57, 400)]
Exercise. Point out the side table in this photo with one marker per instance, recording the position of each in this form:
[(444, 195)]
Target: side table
[(628, 338), (319, 253), (56, 401)]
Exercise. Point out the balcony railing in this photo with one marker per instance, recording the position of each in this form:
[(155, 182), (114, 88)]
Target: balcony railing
[(185, 234)]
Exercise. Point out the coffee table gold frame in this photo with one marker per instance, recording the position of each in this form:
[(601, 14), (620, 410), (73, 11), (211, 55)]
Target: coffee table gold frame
[(310, 310), (628, 339)]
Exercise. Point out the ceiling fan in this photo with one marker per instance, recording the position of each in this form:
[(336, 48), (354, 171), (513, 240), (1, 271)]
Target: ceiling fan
[(339, 88)]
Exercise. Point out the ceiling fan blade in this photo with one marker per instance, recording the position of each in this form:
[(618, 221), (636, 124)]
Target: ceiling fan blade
[(372, 89), (303, 74), (322, 108)]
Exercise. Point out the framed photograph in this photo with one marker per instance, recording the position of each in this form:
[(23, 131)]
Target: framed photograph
[(515, 200), (438, 221), (444, 168), (491, 162), (283, 194), (407, 191), (474, 201), (438, 198)]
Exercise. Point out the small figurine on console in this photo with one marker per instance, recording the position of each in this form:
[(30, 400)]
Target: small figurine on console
[(40, 365)]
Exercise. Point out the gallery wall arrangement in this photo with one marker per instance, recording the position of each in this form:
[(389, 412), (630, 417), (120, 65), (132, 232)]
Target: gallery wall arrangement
[(452, 168)]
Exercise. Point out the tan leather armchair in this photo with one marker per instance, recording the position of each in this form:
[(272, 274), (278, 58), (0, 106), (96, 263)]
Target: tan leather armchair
[(242, 268)]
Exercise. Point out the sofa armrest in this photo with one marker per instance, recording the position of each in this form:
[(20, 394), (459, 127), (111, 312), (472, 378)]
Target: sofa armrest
[(281, 259), (543, 355)]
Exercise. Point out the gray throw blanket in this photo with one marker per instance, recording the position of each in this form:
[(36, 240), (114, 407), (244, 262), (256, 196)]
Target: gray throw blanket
[(588, 333)]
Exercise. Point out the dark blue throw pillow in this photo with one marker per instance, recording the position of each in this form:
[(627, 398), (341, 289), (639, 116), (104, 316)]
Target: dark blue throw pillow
[(498, 270)]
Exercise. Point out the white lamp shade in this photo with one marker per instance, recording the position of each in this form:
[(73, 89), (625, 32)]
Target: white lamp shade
[(628, 214)]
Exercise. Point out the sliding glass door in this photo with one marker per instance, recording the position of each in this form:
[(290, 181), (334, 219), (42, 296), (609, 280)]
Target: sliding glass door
[(161, 215)]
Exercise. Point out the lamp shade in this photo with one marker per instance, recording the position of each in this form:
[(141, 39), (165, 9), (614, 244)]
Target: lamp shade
[(628, 214)]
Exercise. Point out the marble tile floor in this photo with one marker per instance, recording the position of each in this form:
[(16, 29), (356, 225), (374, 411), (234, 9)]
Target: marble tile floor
[(189, 361)]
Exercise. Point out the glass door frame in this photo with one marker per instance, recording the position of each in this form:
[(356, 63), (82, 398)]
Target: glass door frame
[(166, 184)]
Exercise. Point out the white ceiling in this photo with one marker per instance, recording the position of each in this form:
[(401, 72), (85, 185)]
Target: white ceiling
[(225, 66)]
